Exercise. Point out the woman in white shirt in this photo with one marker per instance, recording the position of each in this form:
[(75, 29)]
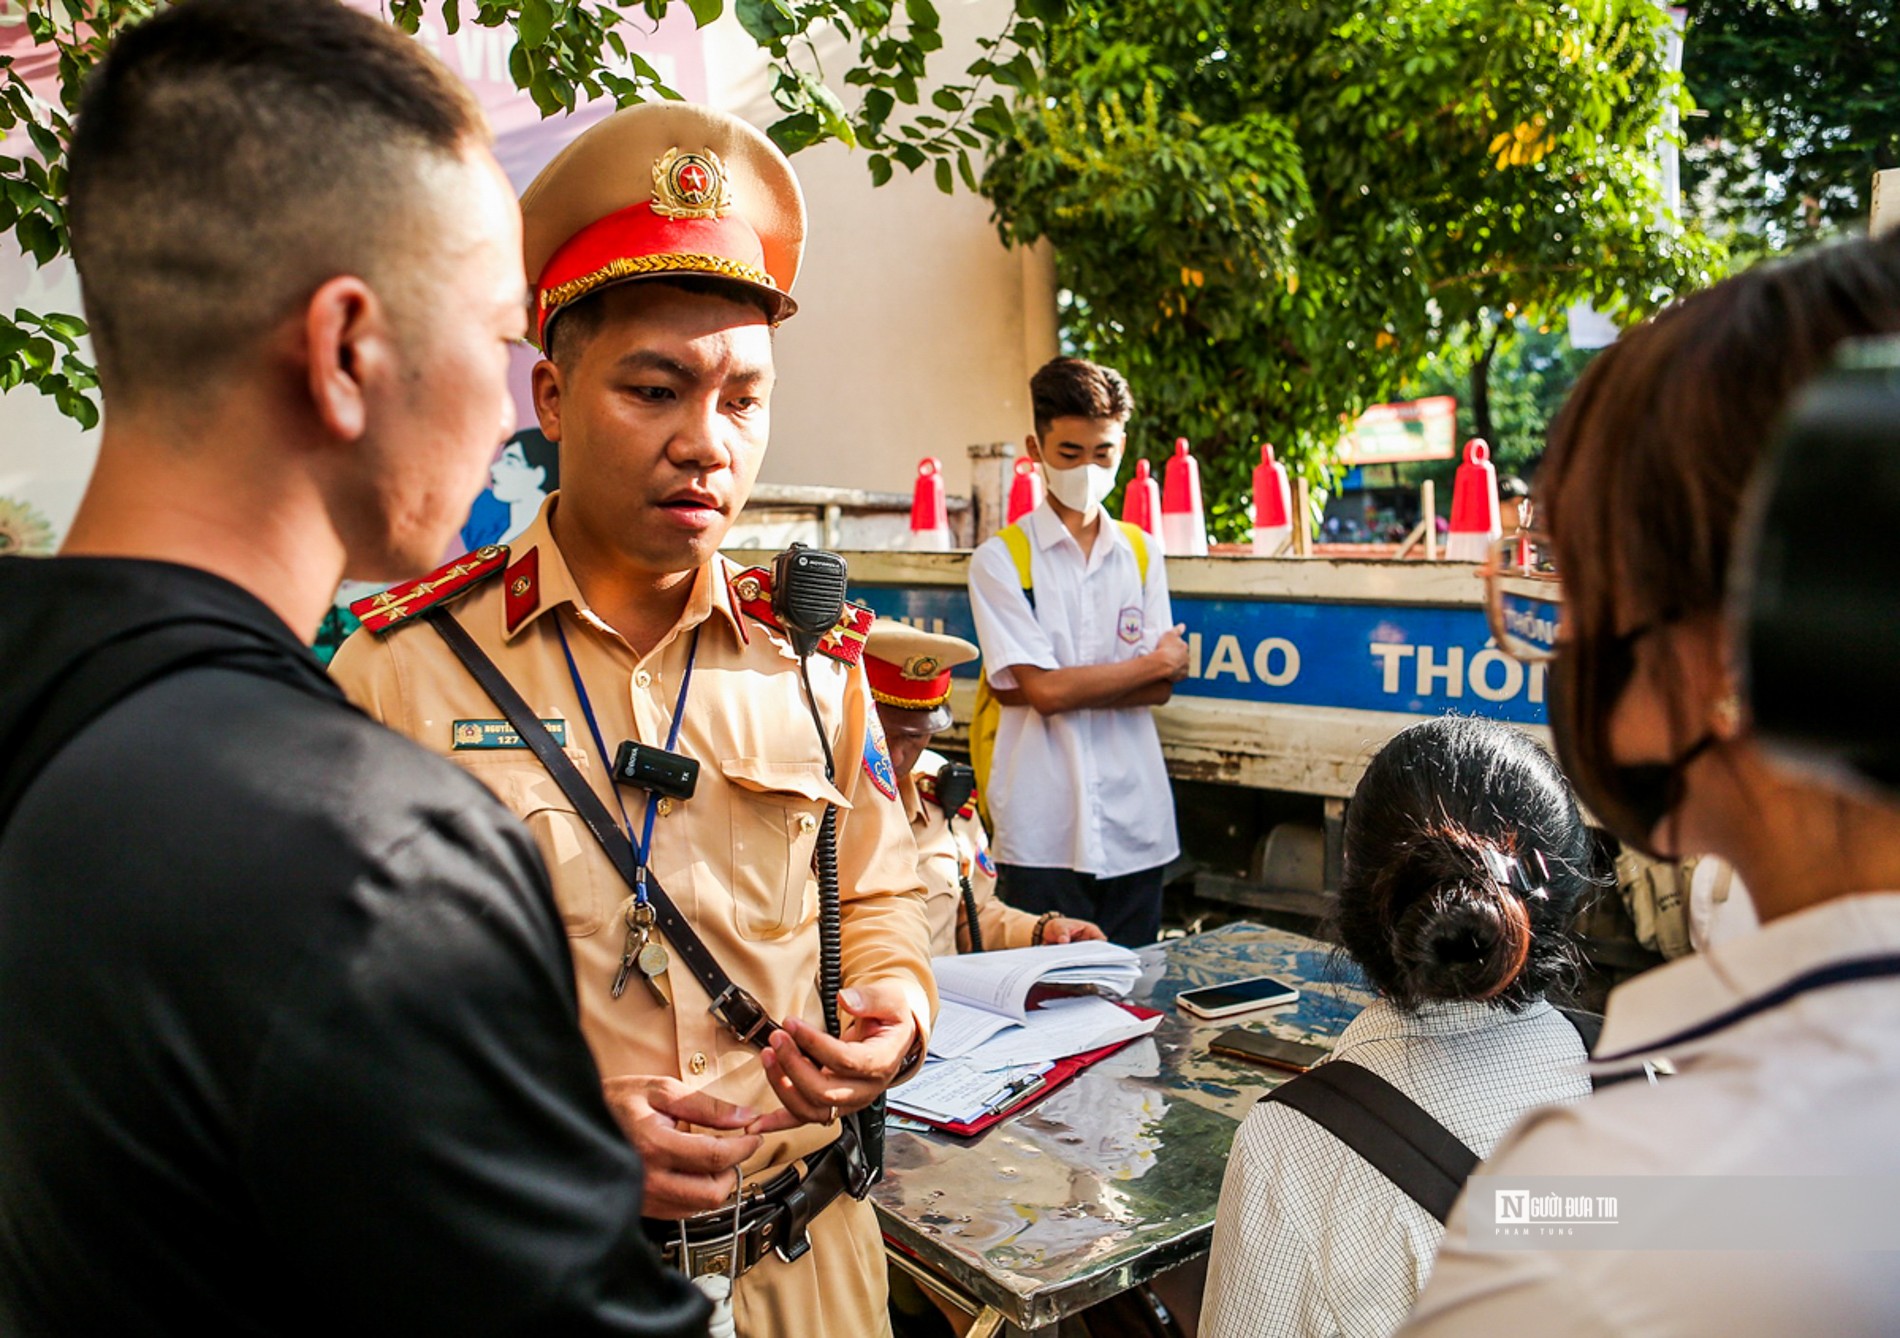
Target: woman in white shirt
[(1464, 860), (1785, 1041)]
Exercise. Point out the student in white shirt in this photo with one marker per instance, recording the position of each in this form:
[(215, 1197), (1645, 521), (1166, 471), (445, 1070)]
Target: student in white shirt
[(1078, 790), (1465, 858), (1786, 1041)]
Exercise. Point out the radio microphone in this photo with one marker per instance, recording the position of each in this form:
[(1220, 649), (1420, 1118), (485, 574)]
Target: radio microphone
[(955, 784), (808, 594)]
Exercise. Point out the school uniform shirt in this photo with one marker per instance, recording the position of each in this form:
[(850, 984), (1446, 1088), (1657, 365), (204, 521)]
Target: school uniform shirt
[(1809, 1087), (1083, 790), (1309, 1239), (736, 857), (941, 853)]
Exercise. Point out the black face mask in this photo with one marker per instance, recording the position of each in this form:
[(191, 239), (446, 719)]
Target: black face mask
[(1632, 801)]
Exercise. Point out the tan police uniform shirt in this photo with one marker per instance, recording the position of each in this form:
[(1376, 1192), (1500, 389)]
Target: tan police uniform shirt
[(736, 858), (941, 852)]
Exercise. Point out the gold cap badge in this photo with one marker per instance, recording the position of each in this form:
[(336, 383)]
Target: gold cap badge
[(690, 185)]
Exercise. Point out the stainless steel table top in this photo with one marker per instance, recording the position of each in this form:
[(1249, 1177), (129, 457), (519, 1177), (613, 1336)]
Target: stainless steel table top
[(1113, 1178)]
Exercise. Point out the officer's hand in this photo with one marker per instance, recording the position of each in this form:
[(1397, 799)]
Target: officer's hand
[(687, 1173), (818, 1077), (1171, 653), (1064, 930)]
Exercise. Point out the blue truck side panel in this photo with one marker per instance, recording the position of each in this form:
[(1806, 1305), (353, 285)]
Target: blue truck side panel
[(1422, 659)]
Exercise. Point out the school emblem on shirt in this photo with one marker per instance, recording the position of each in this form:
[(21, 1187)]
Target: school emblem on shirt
[(984, 862), (877, 757), (1129, 624)]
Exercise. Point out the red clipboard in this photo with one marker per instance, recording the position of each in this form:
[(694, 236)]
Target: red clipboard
[(1064, 1070)]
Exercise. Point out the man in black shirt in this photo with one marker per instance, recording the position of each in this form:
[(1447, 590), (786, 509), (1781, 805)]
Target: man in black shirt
[(290, 1040)]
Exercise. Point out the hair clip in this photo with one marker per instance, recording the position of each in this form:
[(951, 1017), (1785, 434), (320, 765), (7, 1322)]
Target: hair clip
[(1516, 874)]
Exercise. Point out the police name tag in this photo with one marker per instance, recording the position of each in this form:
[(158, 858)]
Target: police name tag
[(469, 734)]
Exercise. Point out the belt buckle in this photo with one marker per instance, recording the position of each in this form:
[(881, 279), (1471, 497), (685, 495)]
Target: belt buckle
[(714, 1256), (742, 1013)]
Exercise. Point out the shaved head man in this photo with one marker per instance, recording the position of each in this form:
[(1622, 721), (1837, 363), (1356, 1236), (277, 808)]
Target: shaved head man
[(292, 1042)]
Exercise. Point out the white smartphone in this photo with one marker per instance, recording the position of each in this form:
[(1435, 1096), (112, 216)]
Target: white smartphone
[(1236, 996)]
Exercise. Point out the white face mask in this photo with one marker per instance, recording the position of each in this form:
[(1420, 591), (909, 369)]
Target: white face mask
[(1080, 487)]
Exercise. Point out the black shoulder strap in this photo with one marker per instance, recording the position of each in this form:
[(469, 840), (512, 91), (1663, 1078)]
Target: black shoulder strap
[(1589, 1027), (733, 1005), (1392, 1132)]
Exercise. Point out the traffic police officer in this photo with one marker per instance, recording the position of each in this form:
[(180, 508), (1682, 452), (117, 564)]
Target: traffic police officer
[(665, 241), (909, 673)]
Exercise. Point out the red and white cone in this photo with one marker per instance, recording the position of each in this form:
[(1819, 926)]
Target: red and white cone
[(1183, 522), (1141, 502), (929, 516), (1272, 505), (1474, 506), (1025, 490)]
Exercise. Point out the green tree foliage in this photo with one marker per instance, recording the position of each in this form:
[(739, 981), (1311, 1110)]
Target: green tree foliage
[(1801, 110), (1531, 371), (566, 52), (1268, 214)]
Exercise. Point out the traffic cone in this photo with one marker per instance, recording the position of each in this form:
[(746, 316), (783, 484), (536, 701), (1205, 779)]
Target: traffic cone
[(929, 517), (1141, 503), (1272, 505), (1474, 506), (1025, 490), (1183, 523)]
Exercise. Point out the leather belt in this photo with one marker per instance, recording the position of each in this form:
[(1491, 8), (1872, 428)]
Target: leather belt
[(776, 1218)]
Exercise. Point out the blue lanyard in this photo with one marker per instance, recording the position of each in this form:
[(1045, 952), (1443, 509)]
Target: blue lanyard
[(642, 847), (1849, 972)]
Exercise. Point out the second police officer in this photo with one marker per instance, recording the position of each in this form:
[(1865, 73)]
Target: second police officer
[(909, 674), (663, 244)]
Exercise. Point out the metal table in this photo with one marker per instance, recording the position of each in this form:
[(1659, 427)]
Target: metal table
[(1114, 1178)]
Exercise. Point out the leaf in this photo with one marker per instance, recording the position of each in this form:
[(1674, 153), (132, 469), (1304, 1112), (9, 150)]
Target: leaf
[(948, 99), (945, 182), (705, 11), (922, 14), (965, 170), (798, 131), (37, 238), (534, 24), (880, 166), (878, 104), (452, 16), (768, 22)]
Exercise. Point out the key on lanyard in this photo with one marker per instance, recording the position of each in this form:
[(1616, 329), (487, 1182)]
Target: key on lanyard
[(641, 948), (644, 952)]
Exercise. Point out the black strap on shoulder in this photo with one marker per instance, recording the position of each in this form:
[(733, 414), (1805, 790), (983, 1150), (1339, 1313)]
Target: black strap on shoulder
[(1589, 1026), (733, 1005), (1392, 1132)]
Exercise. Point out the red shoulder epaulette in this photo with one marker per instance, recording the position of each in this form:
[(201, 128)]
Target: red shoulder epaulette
[(927, 787), (390, 608), (844, 642)]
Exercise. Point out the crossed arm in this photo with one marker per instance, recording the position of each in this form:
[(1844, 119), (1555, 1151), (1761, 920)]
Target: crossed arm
[(1145, 680)]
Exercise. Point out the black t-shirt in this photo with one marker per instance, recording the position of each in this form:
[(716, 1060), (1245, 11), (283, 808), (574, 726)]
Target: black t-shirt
[(289, 1037)]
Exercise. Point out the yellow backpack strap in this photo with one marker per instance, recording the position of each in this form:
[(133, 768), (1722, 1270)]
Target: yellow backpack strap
[(1016, 540), (1137, 540)]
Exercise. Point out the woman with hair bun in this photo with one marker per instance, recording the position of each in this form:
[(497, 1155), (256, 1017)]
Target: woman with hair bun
[(1465, 858)]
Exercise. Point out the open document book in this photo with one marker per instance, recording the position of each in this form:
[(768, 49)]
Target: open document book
[(1024, 1004), (1007, 1020)]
